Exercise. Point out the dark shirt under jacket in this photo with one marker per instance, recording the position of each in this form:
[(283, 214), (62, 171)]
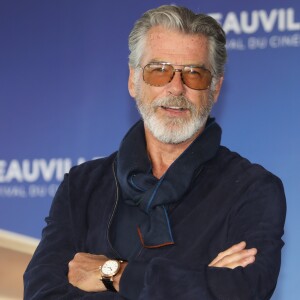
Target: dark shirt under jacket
[(231, 200)]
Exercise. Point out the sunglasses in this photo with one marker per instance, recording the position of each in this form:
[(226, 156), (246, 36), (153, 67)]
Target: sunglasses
[(161, 73)]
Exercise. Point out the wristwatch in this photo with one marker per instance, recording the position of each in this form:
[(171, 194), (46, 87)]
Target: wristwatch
[(109, 269)]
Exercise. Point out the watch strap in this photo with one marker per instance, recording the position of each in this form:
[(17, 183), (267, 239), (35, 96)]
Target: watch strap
[(108, 284)]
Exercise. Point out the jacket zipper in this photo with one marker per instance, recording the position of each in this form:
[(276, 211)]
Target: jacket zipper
[(112, 214), (138, 250)]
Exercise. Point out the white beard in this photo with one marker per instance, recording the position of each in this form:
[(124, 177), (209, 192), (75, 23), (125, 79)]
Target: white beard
[(173, 130)]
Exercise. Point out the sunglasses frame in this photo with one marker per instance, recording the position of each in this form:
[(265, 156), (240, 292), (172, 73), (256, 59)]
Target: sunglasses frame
[(177, 70)]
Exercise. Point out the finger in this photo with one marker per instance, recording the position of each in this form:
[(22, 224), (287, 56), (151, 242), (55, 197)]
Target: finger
[(86, 259), (237, 259), (233, 249), (241, 263), (226, 260)]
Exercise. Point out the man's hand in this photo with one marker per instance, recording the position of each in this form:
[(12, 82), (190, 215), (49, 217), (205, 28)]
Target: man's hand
[(84, 272), (235, 256)]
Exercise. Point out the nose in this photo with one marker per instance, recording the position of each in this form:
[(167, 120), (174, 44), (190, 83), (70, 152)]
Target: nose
[(176, 85)]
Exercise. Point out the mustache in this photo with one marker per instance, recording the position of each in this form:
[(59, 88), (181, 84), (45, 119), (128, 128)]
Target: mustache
[(177, 101)]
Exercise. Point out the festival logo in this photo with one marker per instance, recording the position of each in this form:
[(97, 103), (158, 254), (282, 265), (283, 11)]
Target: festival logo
[(33, 178), (260, 29)]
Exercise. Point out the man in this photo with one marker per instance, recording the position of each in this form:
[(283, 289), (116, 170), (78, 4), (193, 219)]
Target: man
[(172, 214)]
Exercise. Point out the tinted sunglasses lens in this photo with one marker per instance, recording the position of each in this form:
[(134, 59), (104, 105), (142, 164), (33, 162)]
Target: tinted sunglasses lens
[(196, 78), (158, 74)]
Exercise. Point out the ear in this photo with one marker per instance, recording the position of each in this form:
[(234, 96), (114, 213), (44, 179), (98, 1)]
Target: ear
[(218, 89), (131, 82)]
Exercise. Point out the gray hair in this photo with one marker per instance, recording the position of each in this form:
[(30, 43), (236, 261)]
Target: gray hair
[(183, 20)]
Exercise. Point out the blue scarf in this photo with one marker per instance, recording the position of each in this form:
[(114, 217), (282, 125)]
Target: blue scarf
[(140, 188)]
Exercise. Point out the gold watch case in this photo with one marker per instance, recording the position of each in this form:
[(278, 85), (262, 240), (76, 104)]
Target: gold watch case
[(110, 268)]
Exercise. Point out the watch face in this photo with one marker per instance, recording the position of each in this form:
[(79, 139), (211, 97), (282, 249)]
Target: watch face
[(110, 268)]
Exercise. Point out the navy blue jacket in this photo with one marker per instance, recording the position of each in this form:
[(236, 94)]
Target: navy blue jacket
[(231, 201)]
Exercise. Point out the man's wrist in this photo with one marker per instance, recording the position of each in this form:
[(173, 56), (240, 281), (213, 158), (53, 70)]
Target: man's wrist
[(110, 274), (117, 278)]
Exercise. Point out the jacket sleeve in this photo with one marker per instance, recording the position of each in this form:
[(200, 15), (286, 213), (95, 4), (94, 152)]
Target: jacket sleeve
[(46, 275), (258, 219)]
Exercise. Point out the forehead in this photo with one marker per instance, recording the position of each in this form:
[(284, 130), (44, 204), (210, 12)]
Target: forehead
[(175, 47)]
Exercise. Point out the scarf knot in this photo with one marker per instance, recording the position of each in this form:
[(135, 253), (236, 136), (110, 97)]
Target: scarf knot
[(151, 195)]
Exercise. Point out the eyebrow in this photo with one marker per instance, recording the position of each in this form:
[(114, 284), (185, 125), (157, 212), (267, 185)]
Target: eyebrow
[(153, 61)]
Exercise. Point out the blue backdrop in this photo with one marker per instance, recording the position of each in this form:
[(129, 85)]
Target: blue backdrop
[(64, 98)]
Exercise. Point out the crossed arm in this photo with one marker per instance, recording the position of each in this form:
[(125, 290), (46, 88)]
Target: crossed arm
[(49, 277), (84, 267)]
